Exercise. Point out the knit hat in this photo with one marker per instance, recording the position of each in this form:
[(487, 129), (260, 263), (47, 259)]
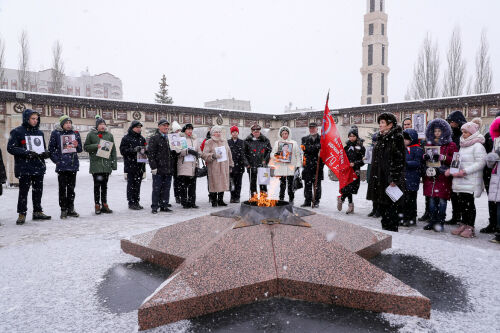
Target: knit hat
[(98, 121), (175, 126), (64, 119), (163, 121), (478, 121), (283, 129), (470, 127), (186, 127), (235, 129), (354, 132)]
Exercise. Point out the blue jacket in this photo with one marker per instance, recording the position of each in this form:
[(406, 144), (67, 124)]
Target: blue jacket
[(68, 161), (414, 161), (23, 163)]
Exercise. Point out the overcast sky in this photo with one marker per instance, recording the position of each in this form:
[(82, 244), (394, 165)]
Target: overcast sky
[(268, 52)]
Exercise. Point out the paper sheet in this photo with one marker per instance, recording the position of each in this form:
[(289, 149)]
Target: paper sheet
[(221, 151), (394, 193)]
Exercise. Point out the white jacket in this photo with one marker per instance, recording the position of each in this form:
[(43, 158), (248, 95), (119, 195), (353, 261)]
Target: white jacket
[(472, 161), (286, 169)]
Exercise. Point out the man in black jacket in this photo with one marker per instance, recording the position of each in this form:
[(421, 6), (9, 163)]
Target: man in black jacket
[(311, 145), (131, 144), (257, 153), (161, 163), (237, 147)]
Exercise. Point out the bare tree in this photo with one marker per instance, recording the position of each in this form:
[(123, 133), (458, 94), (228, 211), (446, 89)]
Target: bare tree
[(425, 83), (454, 77), (57, 68), (484, 77), (2, 61), (23, 70)]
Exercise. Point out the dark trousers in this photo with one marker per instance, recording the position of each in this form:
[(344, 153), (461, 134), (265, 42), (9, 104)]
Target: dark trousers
[(100, 188), (492, 208), (67, 182), (25, 182), (390, 216), (253, 182), (283, 185), (236, 192), (177, 189), (466, 208), (410, 205), (455, 209), (308, 191), (161, 191), (134, 180), (437, 209), (346, 196), (188, 190)]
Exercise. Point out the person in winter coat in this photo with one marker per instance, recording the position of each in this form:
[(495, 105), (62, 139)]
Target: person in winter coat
[(237, 147), (100, 167), (468, 182), (258, 153), (29, 166), (161, 163), (456, 119), (202, 146), (311, 146), (132, 144), (186, 166), (176, 128), (414, 165), (388, 169), (437, 186), (493, 162), (218, 157), (492, 205), (3, 174), (67, 164), (355, 151), (368, 160), (286, 162)]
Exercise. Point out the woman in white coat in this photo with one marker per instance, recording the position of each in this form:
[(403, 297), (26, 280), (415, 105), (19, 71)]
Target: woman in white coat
[(286, 158), (468, 181)]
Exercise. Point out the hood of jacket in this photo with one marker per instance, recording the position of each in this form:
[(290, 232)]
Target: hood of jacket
[(94, 130), (285, 128), (445, 131), (458, 117), (175, 126), (413, 136), (495, 129), (26, 116), (250, 137)]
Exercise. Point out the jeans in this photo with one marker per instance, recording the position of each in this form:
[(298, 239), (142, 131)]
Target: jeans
[(100, 188), (283, 182), (67, 182), (25, 182), (161, 191), (437, 209)]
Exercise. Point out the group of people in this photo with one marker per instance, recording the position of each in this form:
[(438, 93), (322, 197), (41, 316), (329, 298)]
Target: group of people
[(224, 162)]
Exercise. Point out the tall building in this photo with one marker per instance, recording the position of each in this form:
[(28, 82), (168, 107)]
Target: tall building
[(375, 68), (103, 85), (229, 104)]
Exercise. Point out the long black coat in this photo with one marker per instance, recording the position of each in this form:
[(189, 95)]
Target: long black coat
[(3, 174), (257, 151), (488, 145), (127, 149), (388, 165), (159, 154), (238, 152), (355, 153), (312, 146)]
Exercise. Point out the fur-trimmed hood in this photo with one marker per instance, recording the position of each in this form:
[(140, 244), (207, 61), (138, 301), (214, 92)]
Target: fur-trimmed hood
[(285, 128), (495, 129), (445, 131)]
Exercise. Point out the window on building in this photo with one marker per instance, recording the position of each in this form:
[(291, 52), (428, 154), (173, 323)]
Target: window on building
[(370, 29), (383, 99), (383, 29), (383, 54), (370, 54), (370, 81), (382, 84), (381, 5), (368, 100), (372, 6)]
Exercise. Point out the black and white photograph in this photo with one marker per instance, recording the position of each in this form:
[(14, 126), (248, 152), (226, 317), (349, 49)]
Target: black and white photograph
[(433, 153), (142, 157), (104, 150), (35, 143), (419, 121), (455, 163)]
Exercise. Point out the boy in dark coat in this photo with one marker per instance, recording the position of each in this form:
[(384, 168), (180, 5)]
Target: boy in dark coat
[(131, 144), (29, 166), (3, 174), (311, 145), (257, 153), (237, 147), (67, 164), (414, 165)]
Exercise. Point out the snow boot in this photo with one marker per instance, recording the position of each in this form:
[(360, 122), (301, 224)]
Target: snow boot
[(72, 213), (372, 213), (350, 209), (21, 219), (496, 239), (134, 206), (490, 229), (64, 214), (220, 200), (97, 209), (165, 209), (339, 204), (459, 230), (429, 226), (154, 211), (40, 216), (105, 209), (424, 218), (468, 232), (306, 204)]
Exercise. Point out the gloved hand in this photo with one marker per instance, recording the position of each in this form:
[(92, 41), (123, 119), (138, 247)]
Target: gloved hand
[(193, 152), (436, 157), (32, 154), (442, 157), (45, 155), (154, 171), (138, 148), (426, 157)]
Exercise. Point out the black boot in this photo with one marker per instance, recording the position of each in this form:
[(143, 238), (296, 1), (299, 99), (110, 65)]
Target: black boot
[(72, 213), (64, 214), (21, 219), (213, 198), (425, 217), (306, 204), (40, 216), (220, 199), (490, 229), (429, 226)]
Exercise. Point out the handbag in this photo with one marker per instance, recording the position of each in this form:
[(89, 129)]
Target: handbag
[(200, 171), (297, 181)]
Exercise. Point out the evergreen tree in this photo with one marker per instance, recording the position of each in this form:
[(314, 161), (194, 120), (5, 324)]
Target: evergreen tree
[(162, 95)]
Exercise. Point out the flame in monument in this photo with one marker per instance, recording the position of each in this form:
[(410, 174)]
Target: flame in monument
[(262, 200)]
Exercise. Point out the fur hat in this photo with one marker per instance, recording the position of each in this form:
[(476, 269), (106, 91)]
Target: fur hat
[(456, 116), (216, 129), (443, 126), (388, 117)]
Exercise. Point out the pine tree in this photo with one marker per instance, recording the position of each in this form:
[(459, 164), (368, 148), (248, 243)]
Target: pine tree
[(162, 95)]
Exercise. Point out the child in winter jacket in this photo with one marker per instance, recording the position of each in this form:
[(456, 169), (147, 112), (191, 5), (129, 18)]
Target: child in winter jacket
[(492, 160), (414, 159), (468, 181)]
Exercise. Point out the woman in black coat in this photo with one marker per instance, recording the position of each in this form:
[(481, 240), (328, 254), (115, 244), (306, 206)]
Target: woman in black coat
[(388, 169), (355, 152)]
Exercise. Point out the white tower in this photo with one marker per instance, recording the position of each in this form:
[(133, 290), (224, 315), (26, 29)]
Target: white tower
[(375, 46)]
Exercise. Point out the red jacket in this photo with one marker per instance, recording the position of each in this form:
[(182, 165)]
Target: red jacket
[(440, 186)]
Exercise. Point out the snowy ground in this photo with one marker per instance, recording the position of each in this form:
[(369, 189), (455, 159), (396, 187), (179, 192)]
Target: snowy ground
[(50, 270)]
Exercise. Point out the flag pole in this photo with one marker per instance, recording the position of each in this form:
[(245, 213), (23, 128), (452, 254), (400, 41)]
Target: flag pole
[(315, 188)]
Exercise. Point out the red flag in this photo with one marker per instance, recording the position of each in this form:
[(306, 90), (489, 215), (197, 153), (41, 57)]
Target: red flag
[(332, 150)]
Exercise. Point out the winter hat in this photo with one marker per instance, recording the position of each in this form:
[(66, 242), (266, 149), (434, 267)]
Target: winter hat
[(284, 128), (64, 119), (478, 121), (216, 129), (135, 123), (388, 117), (175, 126), (313, 124), (98, 121), (255, 127), (163, 121), (456, 116), (235, 129), (470, 127), (186, 127), (354, 131)]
